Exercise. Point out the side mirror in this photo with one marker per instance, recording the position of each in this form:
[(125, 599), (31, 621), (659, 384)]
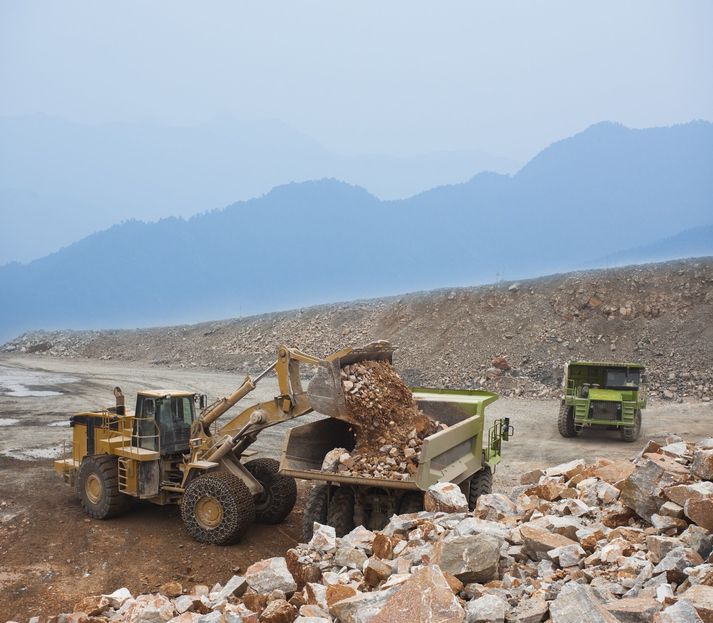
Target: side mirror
[(202, 401)]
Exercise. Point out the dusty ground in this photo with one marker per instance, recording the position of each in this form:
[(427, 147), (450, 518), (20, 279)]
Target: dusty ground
[(51, 553)]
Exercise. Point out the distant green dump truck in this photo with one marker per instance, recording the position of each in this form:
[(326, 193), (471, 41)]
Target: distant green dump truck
[(602, 394)]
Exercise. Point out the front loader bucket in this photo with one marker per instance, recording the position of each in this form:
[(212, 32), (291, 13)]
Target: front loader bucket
[(325, 389)]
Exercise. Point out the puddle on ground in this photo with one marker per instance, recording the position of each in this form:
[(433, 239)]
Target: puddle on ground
[(59, 423), (32, 454), (6, 421), (20, 383)]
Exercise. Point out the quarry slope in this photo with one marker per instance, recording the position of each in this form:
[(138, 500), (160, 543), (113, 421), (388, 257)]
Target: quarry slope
[(512, 338)]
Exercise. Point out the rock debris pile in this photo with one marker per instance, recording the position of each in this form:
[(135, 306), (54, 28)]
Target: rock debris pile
[(612, 541), (509, 338), (389, 428)]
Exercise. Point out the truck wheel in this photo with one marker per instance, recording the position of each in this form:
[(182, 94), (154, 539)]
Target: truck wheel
[(98, 487), (340, 513), (280, 494), (411, 502), (217, 508), (315, 510), (565, 421), (631, 433), (480, 483)]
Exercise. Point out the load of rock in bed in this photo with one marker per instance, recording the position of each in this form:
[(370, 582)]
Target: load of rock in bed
[(626, 541), (388, 427)]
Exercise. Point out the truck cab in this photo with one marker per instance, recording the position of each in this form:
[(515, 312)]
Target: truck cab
[(163, 419)]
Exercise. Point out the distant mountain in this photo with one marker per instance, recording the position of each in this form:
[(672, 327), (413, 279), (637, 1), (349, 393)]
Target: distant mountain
[(61, 181), (590, 196), (694, 242)]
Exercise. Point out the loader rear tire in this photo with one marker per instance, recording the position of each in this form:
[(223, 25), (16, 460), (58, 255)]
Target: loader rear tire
[(217, 508), (480, 483), (315, 510), (565, 421), (340, 513), (631, 433), (98, 487), (280, 494)]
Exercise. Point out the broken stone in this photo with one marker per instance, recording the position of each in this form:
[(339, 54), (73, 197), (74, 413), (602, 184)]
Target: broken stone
[(472, 558), (278, 611), (702, 465), (495, 506), (567, 555), (538, 542), (578, 602), (361, 608), (324, 538), (680, 494), (486, 609), (425, 597), (267, 575), (643, 490), (675, 562), (681, 612), (634, 610), (361, 538), (445, 497), (376, 571), (350, 557), (700, 511), (337, 592), (701, 598)]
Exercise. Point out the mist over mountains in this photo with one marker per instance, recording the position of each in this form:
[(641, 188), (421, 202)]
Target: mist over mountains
[(74, 179), (607, 192)]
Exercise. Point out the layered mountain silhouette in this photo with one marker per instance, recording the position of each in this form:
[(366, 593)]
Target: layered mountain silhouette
[(591, 196), (61, 181)]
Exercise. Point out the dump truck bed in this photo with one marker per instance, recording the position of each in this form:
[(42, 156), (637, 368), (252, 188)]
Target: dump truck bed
[(452, 455)]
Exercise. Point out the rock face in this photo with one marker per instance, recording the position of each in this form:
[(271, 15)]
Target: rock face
[(564, 547)]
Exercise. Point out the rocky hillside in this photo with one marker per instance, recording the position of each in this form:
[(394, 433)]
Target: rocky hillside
[(510, 337)]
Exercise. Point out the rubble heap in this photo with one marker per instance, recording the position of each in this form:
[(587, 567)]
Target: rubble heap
[(389, 429), (613, 541)]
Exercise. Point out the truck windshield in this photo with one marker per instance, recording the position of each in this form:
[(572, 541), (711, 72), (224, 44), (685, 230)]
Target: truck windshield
[(622, 377)]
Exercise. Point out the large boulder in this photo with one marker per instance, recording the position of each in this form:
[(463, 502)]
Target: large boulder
[(470, 558), (271, 574), (425, 597), (578, 602), (445, 497), (643, 490)]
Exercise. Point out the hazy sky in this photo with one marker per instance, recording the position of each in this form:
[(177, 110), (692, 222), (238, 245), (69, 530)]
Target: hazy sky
[(397, 77)]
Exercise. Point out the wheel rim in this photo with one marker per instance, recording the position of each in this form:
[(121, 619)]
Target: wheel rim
[(94, 488), (209, 512)]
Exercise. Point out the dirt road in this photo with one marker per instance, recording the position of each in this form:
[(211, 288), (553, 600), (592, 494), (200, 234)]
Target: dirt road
[(51, 553)]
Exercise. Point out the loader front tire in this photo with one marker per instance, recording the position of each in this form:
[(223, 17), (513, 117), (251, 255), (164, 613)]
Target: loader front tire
[(565, 421), (480, 483), (280, 493), (217, 508), (315, 510), (340, 513), (98, 487), (631, 433)]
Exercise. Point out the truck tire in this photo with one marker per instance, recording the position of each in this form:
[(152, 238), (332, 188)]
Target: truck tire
[(480, 483), (631, 433), (98, 487), (565, 421), (217, 508), (411, 502), (315, 510), (340, 513), (280, 494)]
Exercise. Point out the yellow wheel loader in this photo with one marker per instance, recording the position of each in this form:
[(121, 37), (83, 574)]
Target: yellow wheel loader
[(165, 453)]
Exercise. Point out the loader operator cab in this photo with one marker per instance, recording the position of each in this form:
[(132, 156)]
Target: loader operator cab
[(163, 420)]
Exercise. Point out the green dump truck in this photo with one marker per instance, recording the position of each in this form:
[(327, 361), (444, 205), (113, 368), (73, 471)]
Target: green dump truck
[(459, 454), (602, 394)]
